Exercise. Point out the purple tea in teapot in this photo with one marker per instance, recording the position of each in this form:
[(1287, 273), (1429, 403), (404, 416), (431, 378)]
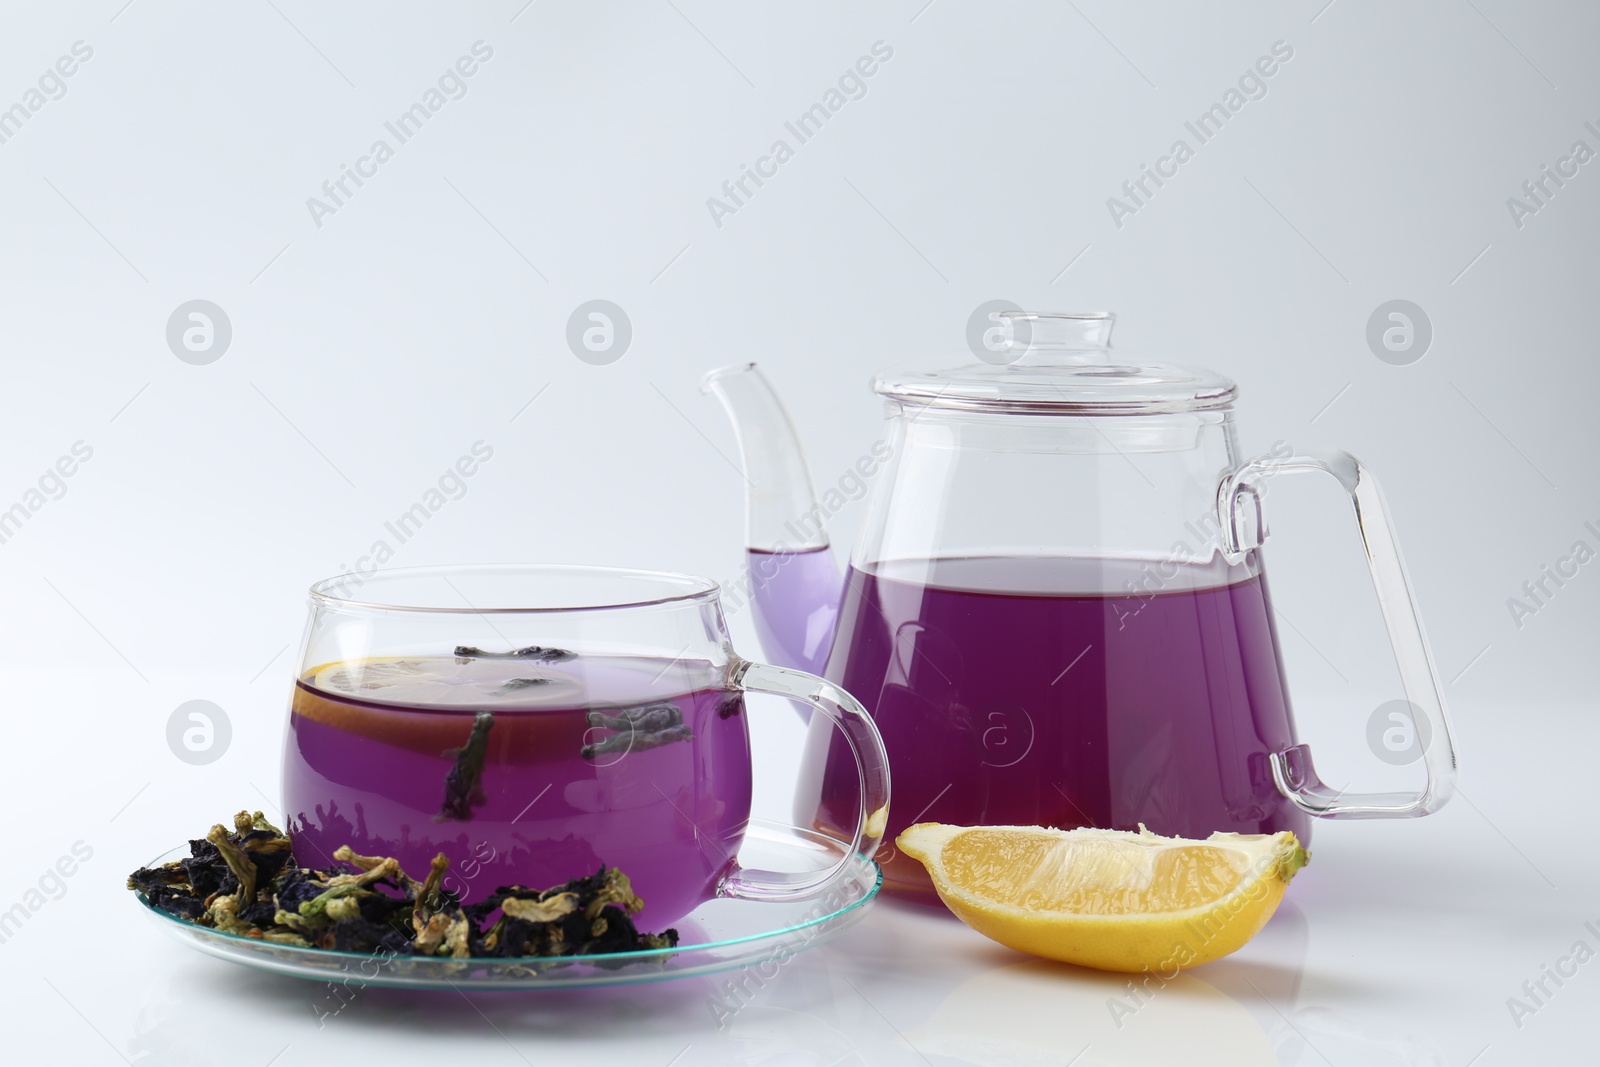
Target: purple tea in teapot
[(1041, 692)]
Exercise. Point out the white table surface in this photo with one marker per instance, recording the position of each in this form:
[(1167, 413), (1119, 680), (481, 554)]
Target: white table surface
[(1400, 944)]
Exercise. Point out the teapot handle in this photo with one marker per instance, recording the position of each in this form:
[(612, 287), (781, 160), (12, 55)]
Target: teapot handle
[(1244, 528)]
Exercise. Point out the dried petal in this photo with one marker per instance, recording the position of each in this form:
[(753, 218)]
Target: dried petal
[(246, 883), (541, 911)]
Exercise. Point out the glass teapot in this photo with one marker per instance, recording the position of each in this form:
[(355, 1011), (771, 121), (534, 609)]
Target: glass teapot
[(1056, 612)]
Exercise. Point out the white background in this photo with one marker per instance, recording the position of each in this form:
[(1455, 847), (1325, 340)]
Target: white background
[(429, 312)]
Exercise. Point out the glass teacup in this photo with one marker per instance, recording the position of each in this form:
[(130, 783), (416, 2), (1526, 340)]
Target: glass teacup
[(535, 723)]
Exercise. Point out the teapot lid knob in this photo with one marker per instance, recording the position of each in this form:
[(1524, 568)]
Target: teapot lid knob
[(1047, 335), (1056, 363)]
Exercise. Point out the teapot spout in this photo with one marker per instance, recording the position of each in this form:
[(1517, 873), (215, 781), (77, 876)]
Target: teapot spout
[(793, 581)]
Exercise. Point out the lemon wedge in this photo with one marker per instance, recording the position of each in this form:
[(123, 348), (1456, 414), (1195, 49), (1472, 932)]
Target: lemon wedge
[(1109, 899)]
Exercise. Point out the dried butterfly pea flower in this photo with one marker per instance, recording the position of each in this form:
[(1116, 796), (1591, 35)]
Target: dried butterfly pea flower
[(259, 913), (295, 887), (207, 872), (175, 900), (150, 879), (285, 937), (430, 896), (540, 911), (363, 935), (246, 883), (336, 901), (242, 866)]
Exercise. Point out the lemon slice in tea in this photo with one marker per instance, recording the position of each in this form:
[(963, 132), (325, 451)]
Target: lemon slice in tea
[(1110, 899), (353, 676), (426, 703)]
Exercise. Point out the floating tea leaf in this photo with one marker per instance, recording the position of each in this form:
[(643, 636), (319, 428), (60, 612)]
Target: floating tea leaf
[(637, 742), (644, 718), (534, 653), (513, 684), (463, 786), (638, 728)]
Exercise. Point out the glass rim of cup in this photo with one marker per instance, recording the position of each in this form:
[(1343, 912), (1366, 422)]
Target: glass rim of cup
[(349, 591)]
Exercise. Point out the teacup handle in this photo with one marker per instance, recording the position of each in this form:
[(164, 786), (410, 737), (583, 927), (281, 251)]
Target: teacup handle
[(1244, 528), (872, 763)]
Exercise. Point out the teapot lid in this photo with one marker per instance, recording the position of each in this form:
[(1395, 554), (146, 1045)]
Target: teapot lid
[(1057, 363)]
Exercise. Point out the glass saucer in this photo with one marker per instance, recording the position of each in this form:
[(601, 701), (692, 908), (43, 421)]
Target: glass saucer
[(719, 935)]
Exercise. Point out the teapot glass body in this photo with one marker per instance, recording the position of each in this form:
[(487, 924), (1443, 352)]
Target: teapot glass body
[(1057, 613)]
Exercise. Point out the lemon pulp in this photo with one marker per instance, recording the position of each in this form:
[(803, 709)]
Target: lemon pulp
[(1111, 899)]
